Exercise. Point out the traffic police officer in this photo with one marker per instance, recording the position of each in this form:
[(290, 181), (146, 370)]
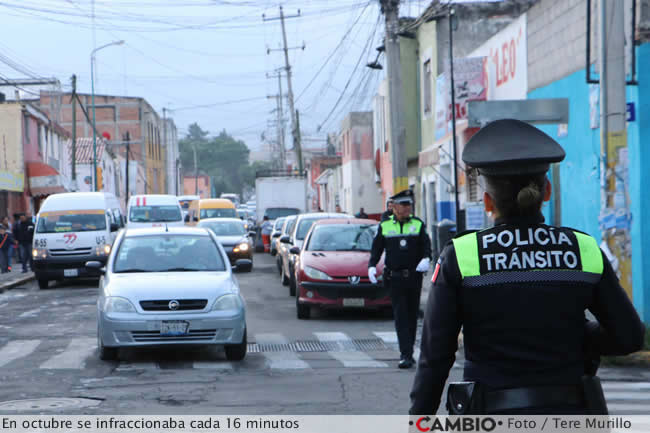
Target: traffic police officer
[(408, 255), (520, 290)]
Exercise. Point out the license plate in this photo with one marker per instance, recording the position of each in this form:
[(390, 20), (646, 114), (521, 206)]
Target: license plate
[(70, 272), (173, 327), (353, 302)]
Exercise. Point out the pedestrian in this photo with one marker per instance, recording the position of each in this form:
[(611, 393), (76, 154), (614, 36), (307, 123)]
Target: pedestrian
[(361, 214), (24, 235), (267, 228), (9, 227), (408, 254), (6, 242), (16, 247), (519, 290), (337, 209), (389, 210)]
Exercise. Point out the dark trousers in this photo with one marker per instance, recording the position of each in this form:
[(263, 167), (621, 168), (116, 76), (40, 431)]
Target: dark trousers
[(405, 296), (26, 255), (4, 260)]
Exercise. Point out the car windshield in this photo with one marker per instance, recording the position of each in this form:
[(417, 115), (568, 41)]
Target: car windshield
[(71, 221), (218, 213), (304, 227), (242, 214), (154, 214), (289, 226), (342, 237), (225, 228), (277, 212), (278, 224), (167, 253)]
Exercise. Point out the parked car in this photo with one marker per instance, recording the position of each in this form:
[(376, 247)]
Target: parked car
[(275, 233), (296, 237), (154, 210), (283, 248), (332, 271), (156, 291), (232, 234)]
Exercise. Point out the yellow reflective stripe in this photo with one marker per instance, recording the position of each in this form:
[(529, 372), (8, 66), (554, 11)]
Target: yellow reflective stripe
[(590, 255), (467, 255)]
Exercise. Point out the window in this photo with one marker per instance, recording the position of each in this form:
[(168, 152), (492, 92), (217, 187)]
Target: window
[(426, 88), (472, 186)]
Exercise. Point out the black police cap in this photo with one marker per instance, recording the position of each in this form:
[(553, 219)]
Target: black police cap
[(511, 147), (405, 196)]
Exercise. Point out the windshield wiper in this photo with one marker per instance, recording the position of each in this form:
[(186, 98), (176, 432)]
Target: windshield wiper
[(182, 270), (131, 270)]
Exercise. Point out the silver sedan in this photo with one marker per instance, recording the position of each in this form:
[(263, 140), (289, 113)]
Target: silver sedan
[(169, 287)]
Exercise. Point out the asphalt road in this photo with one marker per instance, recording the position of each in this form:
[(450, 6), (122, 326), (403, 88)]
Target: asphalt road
[(342, 363)]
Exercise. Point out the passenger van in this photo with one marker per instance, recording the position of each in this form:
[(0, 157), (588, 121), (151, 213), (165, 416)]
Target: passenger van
[(154, 210), (212, 208), (71, 229)]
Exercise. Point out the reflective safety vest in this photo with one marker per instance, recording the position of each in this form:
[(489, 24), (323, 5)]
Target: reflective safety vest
[(522, 254), (392, 228)]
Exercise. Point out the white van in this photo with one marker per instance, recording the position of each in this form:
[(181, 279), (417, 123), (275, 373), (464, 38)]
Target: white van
[(154, 210), (71, 229)]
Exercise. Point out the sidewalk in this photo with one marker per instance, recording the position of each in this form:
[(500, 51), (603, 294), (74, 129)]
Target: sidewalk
[(14, 278)]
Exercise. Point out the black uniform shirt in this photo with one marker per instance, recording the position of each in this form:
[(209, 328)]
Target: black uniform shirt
[(404, 251), (519, 333)]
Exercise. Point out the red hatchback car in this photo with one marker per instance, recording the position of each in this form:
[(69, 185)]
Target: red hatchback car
[(332, 269)]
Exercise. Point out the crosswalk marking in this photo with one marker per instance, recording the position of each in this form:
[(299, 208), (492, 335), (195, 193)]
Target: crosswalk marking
[(17, 349), (387, 337), (626, 385), (74, 356), (348, 359), (609, 395), (128, 366), (212, 365), (280, 360)]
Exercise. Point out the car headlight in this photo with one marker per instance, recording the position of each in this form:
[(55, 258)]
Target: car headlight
[(116, 304), (243, 247), (39, 253), (102, 250), (316, 274), (227, 302)]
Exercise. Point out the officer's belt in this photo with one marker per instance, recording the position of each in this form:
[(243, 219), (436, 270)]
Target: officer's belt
[(529, 397), (403, 273)]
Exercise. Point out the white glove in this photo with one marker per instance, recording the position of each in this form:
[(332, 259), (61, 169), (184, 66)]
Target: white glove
[(372, 275), (423, 266)]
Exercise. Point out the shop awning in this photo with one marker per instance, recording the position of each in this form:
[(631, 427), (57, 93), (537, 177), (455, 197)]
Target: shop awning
[(44, 179)]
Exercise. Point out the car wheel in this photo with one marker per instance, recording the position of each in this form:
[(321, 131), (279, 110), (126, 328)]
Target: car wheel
[(292, 286), (43, 283), (106, 353), (278, 263), (237, 352), (250, 268), (302, 311)]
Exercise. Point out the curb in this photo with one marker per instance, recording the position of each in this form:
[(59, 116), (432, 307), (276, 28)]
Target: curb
[(640, 359), (10, 284)]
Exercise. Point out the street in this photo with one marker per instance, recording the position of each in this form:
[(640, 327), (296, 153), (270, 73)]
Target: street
[(337, 363)]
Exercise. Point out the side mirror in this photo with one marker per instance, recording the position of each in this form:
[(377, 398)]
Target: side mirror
[(195, 219), (294, 250), (245, 265), (286, 239), (187, 218), (276, 234), (115, 227), (96, 266), (252, 234)]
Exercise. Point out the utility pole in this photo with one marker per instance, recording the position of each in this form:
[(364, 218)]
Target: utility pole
[(127, 140), (281, 150), (295, 130), (450, 17), (300, 166), (613, 133), (196, 172), (74, 130), (390, 9)]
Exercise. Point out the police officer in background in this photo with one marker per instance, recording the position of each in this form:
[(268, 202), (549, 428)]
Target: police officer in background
[(520, 290), (408, 255)]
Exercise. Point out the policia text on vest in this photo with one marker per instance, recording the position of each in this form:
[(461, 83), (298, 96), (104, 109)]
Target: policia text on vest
[(529, 248)]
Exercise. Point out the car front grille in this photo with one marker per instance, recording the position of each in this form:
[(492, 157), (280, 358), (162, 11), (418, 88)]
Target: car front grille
[(192, 335), (184, 304), (346, 290), (61, 252)]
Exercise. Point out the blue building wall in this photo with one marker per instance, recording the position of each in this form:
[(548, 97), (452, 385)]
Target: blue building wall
[(579, 172)]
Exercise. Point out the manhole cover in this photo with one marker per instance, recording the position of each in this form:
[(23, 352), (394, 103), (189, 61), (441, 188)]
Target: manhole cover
[(45, 404)]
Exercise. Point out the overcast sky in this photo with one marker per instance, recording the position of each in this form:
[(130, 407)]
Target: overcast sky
[(198, 57)]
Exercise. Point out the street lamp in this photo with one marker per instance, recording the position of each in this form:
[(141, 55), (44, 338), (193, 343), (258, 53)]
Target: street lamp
[(92, 86)]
